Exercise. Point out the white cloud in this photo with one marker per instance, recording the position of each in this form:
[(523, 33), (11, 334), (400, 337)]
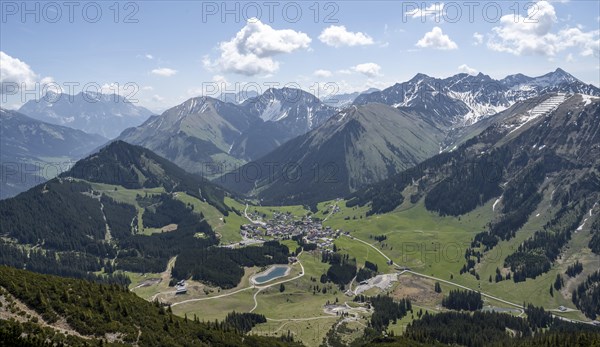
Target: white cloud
[(345, 72), (478, 38), (533, 34), (219, 79), (437, 39), (435, 10), (570, 58), (468, 70), (338, 36), (47, 80), (252, 49), (157, 98), (13, 70), (164, 71), (149, 56), (368, 69), (221, 84), (323, 73)]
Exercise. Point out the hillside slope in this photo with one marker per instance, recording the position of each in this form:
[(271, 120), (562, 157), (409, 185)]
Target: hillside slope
[(33, 151), (357, 146), (77, 313)]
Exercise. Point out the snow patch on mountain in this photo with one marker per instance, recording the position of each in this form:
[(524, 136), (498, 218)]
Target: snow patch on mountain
[(542, 109), (272, 111)]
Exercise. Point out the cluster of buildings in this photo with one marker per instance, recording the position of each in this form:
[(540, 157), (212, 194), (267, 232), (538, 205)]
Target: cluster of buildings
[(284, 226)]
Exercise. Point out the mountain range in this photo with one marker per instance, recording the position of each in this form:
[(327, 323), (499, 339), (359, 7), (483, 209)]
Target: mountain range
[(212, 137), (95, 113), (205, 133), (464, 99)]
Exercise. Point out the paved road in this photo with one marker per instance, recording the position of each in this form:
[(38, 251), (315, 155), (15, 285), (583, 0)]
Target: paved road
[(250, 219), (370, 245)]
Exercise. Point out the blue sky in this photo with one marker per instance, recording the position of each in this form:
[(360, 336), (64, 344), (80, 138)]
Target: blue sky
[(171, 51)]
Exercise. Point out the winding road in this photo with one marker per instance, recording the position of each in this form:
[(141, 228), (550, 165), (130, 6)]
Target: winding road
[(260, 288)]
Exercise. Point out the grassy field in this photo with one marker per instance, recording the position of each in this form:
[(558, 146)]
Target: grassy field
[(296, 210), (210, 310), (227, 227), (416, 238), (362, 253)]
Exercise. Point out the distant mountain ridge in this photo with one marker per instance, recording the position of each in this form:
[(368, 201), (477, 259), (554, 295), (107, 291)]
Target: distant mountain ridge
[(464, 99), (33, 151), (95, 113), (345, 99)]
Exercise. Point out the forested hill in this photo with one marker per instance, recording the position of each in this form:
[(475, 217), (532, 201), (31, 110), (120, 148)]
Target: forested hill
[(43, 310), (512, 155), (549, 151), (136, 167)]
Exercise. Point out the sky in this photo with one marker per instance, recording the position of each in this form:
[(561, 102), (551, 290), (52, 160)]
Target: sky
[(159, 54)]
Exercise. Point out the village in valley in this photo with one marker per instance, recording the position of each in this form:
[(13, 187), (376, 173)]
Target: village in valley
[(284, 225)]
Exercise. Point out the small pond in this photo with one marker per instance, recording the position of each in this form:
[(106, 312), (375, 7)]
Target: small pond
[(270, 274)]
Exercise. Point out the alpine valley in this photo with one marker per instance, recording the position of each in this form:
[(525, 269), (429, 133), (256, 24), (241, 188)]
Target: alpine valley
[(459, 211)]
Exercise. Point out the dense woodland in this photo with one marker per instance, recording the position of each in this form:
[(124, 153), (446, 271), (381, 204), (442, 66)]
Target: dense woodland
[(575, 269), (71, 228), (467, 300), (119, 217), (162, 210), (483, 329), (471, 184), (223, 267), (587, 296), (243, 322), (536, 255), (366, 272), (143, 253), (67, 264), (342, 269), (595, 241), (65, 219), (386, 310)]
